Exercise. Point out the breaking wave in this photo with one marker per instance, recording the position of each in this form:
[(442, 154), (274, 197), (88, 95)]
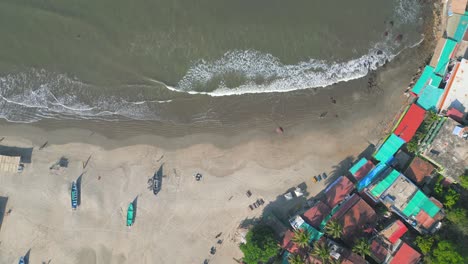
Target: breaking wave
[(30, 96)]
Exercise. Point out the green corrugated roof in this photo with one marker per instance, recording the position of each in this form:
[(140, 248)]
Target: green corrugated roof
[(435, 80), (461, 27), (385, 183), (429, 97), (444, 58), (423, 79), (358, 165), (314, 233), (429, 207), (418, 202), (412, 208), (389, 148)]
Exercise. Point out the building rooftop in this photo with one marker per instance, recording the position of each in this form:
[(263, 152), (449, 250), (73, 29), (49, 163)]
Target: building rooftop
[(358, 221), (459, 6), (288, 244), (399, 193), (405, 254), (361, 168), (419, 170), (448, 150), (394, 231), (410, 122), (389, 148), (456, 93), (338, 191), (378, 250), (315, 215)]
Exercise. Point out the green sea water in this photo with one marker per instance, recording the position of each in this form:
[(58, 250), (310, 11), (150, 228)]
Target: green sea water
[(100, 58)]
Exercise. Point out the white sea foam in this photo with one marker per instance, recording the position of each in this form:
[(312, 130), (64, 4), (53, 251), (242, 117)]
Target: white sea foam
[(281, 78)]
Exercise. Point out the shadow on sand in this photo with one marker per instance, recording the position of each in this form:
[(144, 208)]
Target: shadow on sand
[(135, 208), (25, 153), (3, 204), (78, 187)]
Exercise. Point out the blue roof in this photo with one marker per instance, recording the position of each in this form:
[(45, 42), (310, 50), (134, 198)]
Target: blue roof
[(366, 181)]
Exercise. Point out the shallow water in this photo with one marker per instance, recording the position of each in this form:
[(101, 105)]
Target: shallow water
[(163, 59)]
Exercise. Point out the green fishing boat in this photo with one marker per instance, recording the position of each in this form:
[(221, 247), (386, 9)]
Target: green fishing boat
[(130, 215)]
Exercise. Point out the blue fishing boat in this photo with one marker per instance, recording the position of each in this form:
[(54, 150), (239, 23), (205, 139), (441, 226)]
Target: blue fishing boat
[(74, 196), (21, 261)]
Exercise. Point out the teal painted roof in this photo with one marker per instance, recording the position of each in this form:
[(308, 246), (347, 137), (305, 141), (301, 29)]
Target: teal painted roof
[(358, 165), (461, 27), (423, 79), (314, 233), (389, 148), (418, 202), (385, 183), (429, 97), (445, 56), (435, 80)]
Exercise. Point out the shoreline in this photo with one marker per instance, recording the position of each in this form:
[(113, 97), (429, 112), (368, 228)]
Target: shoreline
[(233, 158)]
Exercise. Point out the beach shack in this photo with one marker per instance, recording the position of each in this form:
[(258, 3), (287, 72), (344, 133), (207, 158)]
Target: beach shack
[(389, 148), (10, 164), (361, 168), (410, 123)]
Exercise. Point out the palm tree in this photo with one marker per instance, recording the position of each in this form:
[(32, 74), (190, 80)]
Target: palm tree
[(334, 229), (321, 251), (362, 247), (296, 259), (301, 238)]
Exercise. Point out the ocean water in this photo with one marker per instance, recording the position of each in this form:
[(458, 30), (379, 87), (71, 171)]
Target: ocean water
[(150, 60)]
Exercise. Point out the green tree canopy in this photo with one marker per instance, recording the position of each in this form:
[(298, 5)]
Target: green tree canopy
[(321, 251), (464, 181), (425, 243), (296, 259), (451, 198), (445, 253), (362, 247), (301, 238), (334, 229), (260, 245)]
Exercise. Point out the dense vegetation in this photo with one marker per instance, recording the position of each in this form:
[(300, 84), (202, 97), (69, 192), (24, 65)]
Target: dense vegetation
[(450, 244), (260, 246)]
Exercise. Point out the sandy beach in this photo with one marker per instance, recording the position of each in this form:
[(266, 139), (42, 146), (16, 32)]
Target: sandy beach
[(181, 223)]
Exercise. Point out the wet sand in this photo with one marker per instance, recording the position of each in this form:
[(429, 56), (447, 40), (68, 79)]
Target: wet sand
[(237, 154)]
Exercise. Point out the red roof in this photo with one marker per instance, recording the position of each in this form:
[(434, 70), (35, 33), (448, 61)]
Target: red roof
[(288, 244), (364, 170), (424, 219), (358, 221), (410, 123), (400, 231), (455, 114), (316, 214), (337, 191), (419, 169), (406, 255)]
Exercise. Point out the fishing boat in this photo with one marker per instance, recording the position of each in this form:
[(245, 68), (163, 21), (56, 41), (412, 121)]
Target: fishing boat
[(157, 181), (130, 214), (21, 261), (74, 196)]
